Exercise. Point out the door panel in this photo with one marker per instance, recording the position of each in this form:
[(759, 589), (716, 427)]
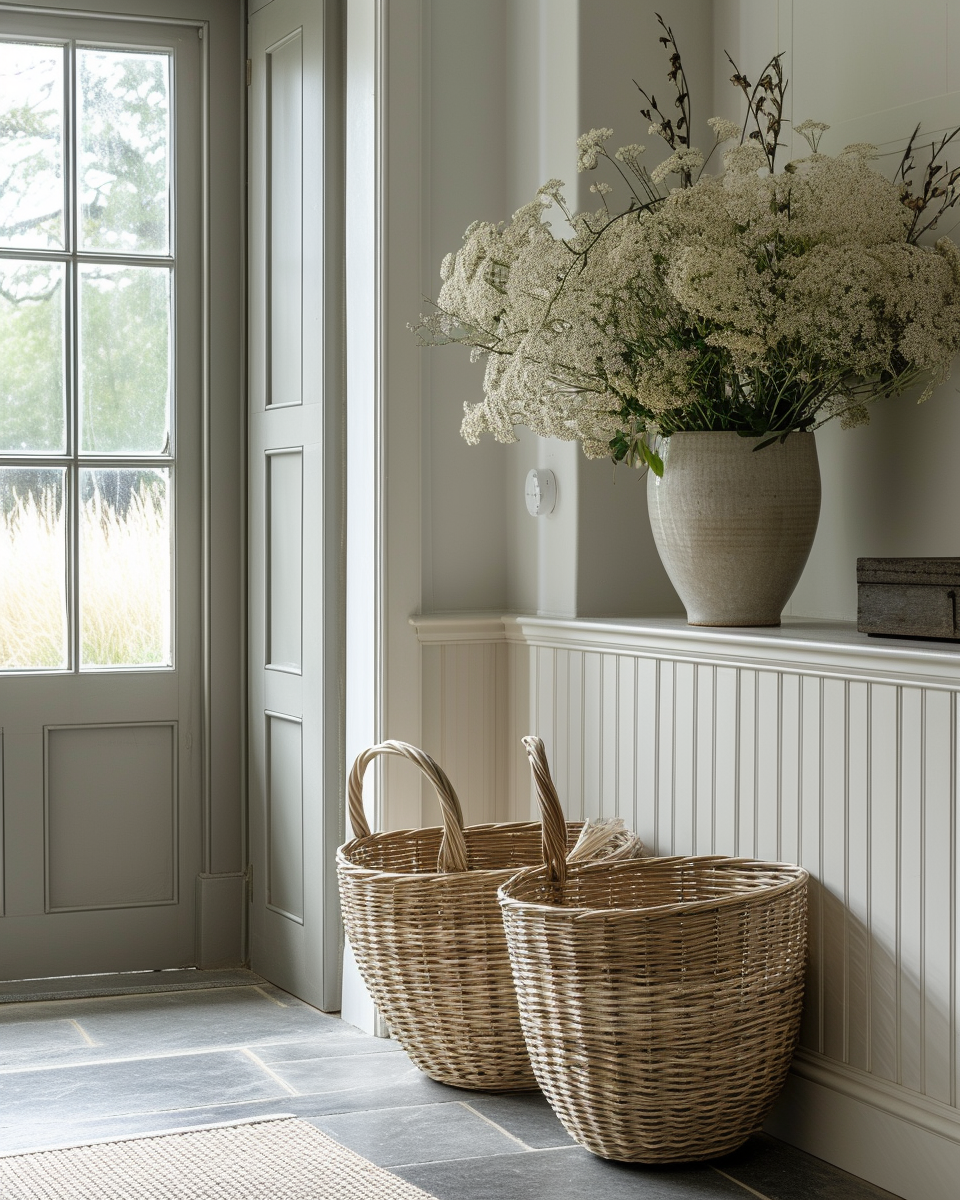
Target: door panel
[(284, 796), (284, 560), (283, 78), (89, 803), (295, 421)]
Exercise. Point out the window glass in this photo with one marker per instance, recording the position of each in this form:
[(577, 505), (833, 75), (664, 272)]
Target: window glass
[(31, 146), (33, 568), (123, 163), (32, 412), (124, 567), (124, 359)]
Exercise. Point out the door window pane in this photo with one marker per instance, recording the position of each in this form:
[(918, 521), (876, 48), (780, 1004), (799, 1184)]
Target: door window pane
[(124, 359), (33, 569), (125, 563), (31, 146), (32, 413), (124, 152)]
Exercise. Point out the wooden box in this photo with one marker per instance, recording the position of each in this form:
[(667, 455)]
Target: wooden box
[(908, 597)]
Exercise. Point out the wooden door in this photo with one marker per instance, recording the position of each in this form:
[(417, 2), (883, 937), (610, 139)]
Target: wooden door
[(295, 390), (100, 493)]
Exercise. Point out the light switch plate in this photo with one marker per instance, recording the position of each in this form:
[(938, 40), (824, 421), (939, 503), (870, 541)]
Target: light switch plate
[(540, 492)]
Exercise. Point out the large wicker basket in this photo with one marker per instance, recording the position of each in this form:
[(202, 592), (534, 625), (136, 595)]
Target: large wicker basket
[(660, 999), (420, 909)]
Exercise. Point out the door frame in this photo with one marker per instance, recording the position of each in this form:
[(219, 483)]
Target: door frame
[(387, 498)]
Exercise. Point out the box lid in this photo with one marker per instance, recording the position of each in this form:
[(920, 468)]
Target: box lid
[(922, 572)]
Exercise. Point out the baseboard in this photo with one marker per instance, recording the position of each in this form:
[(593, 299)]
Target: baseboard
[(894, 1138), (219, 920), (356, 1007)]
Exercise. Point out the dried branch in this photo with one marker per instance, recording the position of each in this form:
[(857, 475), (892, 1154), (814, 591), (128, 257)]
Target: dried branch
[(674, 134), (764, 105), (939, 190)]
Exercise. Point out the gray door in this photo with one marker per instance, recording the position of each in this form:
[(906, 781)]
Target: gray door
[(100, 441), (294, 513)]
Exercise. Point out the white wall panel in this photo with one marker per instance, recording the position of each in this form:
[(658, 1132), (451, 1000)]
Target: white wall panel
[(725, 760), (832, 875), (936, 883), (766, 798), (884, 889), (857, 943), (704, 760), (910, 891), (627, 748), (848, 767), (746, 803), (464, 723)]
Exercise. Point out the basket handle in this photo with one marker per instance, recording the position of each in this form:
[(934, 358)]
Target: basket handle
[(453, 847), (554, 823)]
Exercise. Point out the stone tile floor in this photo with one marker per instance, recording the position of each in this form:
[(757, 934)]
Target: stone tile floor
[(77, 1070)]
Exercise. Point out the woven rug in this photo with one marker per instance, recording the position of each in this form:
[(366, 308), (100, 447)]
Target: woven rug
[(278, 1159)]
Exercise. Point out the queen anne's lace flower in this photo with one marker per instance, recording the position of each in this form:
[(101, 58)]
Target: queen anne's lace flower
[(863, 150), (745, 160), (751, 294), (724, 130), (590, 147), (684, 161), (811, 132)]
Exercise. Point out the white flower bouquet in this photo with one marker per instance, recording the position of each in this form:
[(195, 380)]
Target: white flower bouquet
[(758, 301)]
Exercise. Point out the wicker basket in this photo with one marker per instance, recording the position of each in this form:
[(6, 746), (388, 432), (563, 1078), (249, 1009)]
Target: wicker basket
[(420, 909), (660, 999)]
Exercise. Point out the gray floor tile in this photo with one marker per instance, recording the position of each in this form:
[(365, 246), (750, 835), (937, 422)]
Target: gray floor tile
[(26, 1042), (368, 1081), (782, 1172), (347, 1073), (170, 1022), (39, 1135), (147, 1074), (61, 1095), (367, 1075), (526, 1115), (391, 1136), (188, 1020), (566, 1175), (335, 1044)]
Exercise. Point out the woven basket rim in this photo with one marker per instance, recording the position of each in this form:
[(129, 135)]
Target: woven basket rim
[(420, 830), (798, 877), (398, 835), (475, 873)]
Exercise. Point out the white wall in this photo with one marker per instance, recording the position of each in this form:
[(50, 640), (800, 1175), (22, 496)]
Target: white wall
[(619, 570), (832, 750), (871, 69), (464, 119), (508, 86)]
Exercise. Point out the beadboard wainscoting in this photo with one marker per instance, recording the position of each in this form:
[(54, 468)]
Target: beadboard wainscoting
[(809, 743)]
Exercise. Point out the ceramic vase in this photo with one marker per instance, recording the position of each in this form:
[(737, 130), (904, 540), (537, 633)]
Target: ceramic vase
[(733, 524)]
